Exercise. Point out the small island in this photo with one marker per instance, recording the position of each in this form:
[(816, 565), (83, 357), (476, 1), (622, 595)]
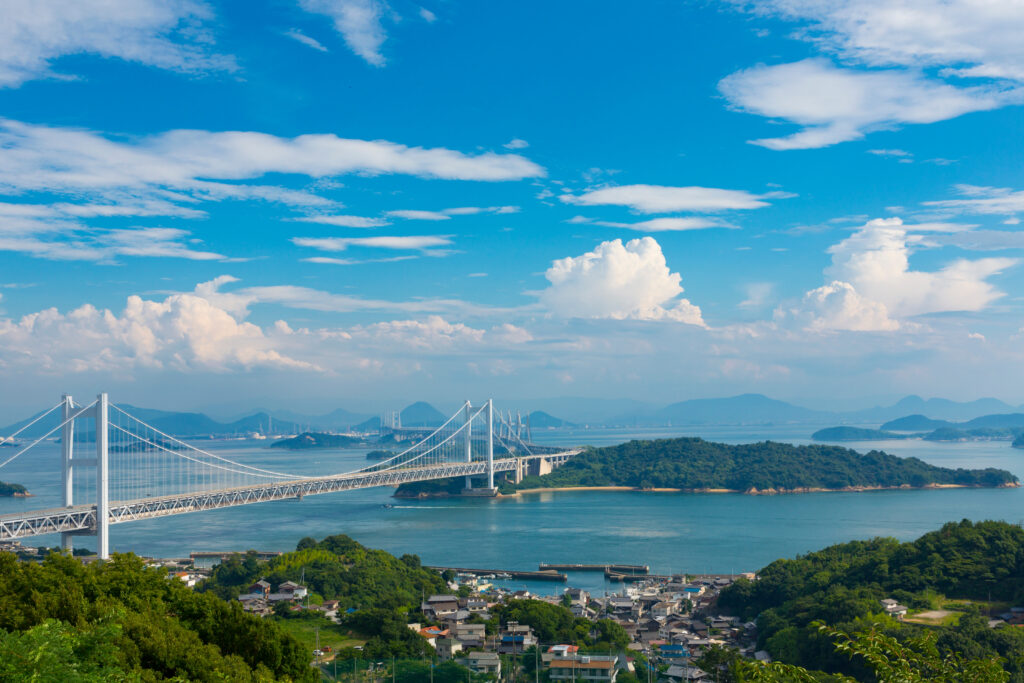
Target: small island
[(379, 455), (695, 465), (8, 490), (312, 440), (1019, 441), (855, 434)]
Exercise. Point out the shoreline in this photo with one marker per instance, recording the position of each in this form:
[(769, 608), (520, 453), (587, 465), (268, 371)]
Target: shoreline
[(763, 492)]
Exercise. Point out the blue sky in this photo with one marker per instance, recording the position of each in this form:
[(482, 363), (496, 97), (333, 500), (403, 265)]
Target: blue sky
[(347, 202)]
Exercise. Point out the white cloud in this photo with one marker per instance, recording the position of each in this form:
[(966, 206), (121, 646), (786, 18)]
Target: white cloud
[(838, 306), (758, 294), (168, 34), (618, 281), (345, 221), (427, 15), (298, 35), (666, 224), (875, 260), (205, 163), (358, 21), (890, 152), (516, 143), (834, 105), (183, 332), (662, 199), (984, 200), (418, 242), (75, 243), (446, 214), (973, 39)]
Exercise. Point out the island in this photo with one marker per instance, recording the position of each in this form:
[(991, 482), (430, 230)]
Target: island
[(8, 490), (311, 440), (855, 434), (1019, 441), (379, 455), (696, 465)]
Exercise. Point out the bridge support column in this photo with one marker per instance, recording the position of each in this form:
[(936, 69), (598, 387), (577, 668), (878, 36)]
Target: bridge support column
[(468, 436), (490, 443), (102, 479), (67, 445)]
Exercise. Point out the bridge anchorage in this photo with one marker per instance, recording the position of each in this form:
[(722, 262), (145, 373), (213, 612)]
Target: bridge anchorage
[(116, 468)]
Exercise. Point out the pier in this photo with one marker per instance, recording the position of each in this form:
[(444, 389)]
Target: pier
[(633, 569), (543, 575)]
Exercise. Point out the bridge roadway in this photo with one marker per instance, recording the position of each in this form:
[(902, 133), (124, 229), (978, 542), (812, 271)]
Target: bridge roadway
[(81, 519)]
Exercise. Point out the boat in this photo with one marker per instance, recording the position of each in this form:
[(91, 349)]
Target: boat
[(387, 506)]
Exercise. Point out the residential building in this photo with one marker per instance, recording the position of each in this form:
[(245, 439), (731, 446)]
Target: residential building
[(446, 648), (482, 662), (584, 668)]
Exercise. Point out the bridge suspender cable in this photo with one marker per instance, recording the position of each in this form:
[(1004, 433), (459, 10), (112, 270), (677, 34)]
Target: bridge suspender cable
[(47, 434), (24, 427)]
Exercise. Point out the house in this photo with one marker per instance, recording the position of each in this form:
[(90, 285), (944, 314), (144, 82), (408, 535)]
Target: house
[(893, 608), (677, 672), (584, 668), (470, 635), (673, 651), (446, 648), (440, 606), (763, 656), (515, 638), (432, 633), (663, 609), (261, 586), (295, 590), (482, 662)]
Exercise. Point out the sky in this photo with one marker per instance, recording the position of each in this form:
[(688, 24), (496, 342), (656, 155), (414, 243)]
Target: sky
[(324, 203)]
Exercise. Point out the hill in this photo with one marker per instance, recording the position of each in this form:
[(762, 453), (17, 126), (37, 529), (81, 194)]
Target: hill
[(692, 464), (743, 409), (845, 433), (914, 423), (1019, 441), (422, 414), (312, 440), (998, 421), (960, 564), (541, 420), (7, 490), (935, 408), (118, 620)]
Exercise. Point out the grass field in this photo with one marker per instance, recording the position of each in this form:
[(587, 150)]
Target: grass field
[(305, 631)]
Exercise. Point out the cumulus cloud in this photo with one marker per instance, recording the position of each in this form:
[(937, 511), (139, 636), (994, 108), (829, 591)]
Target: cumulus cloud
[(182, 332), (972, 39), (834, 104), (168, 34), (618, 281), (663, 199), (838, 306), (360, 22), (875, 260)]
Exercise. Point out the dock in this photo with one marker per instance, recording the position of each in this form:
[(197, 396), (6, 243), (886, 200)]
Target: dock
[(543, 575), (632, 569)]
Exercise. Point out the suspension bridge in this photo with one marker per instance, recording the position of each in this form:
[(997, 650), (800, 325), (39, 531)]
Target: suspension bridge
[(116, 468)]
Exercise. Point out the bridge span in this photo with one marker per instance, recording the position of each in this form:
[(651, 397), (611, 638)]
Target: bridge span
[(130, 456)]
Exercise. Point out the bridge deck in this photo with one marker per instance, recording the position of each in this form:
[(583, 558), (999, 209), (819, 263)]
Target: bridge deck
[(82, 518)]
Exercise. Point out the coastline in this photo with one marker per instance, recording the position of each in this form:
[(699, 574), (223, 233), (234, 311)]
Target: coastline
[(763, 492)]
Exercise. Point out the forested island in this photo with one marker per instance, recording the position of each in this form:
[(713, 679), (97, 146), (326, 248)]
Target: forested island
[(311, 440), (1019, 441), (691, 464), (845, 433), (8, 489), (953, 581)]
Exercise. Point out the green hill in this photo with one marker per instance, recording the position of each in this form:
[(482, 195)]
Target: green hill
[(7, 489), (695, 464), (964, 568), (118, 620)]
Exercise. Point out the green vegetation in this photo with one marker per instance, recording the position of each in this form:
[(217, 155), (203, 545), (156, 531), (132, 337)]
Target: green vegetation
[(694, 464), (855, 434), (61, 620), (7, 489), (976, 434), (556, 624), (843, 584), (308, 440), (1019, 441), (379, 455)]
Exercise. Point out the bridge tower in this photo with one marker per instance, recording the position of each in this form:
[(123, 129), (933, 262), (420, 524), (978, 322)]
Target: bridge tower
[(468, 437), (100, 462)]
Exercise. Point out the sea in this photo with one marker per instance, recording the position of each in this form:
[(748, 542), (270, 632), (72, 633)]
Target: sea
[(670, 532)]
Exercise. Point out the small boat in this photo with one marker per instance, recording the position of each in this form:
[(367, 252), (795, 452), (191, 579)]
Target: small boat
[(387, 506)]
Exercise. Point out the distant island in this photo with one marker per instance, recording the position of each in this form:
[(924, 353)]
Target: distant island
[(695, 465), (855, 434), (1019, 441), (379, 455), (310, 440), (8, 490)]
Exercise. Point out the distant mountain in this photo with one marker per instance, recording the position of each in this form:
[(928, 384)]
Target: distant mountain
[(541, 420), (935, 408), (743, 409), (1006, 421), (370, 425), (334, 421), (422, 414), (914, 423)]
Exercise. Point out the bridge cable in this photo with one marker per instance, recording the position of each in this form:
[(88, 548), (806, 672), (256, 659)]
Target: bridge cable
[(47, 434)]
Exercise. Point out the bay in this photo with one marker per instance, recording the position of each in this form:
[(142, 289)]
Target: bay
[(671, 532)]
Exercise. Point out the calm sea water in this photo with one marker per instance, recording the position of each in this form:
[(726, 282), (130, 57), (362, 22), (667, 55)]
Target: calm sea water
[(670, 532)]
